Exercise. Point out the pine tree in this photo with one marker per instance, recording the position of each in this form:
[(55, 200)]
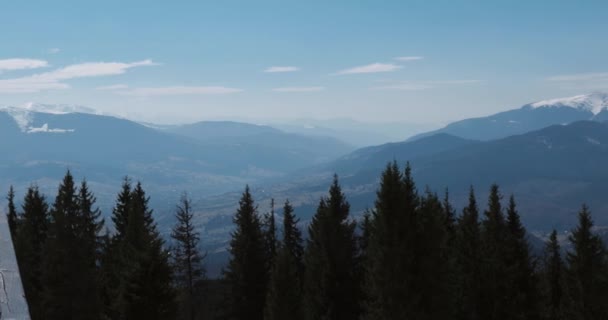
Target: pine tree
[(468, 256), (148, 293), (115, 256), (284, 299), (187, 260), (120, 213), (135, 267), (332, 282), (69, 274), (292, 236), (588, 269), (246, 272), (390, 253), (433, 281), (29, 248), (522, 295), (494, 271), (87, 227), (553, 276), (270, 235), (11, 216)]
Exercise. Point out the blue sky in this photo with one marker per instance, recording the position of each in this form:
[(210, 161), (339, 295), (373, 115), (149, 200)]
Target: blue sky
[(182, 61)]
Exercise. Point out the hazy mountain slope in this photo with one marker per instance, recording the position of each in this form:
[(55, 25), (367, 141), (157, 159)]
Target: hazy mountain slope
[(39, 146), (529, 117), (551, 172), (288, 149)]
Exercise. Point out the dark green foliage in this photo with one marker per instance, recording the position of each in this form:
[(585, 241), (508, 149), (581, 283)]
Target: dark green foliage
[(120, 213), (11, 215), (187, 260), (148, 291), (246, 272), (588, 270), (390, 256), (553, 281), (433, 280), (332, 279), (136, 273), (522, 296), (69, 274), (494, 272), (29, 244), (468, 268), (292, 236), (408, 258), (270, 235), (284, 298)]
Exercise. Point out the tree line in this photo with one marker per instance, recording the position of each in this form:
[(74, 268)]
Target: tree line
[(413, 256)]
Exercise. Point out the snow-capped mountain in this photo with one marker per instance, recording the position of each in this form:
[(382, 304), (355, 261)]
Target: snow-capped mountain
[(530, 117), (25, 115), (594, 103)]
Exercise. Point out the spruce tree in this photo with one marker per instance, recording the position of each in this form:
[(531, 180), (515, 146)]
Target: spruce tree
[(115, 255), (494, 271), (390, 254), (69, 274), (187, 260), (120, 212), (270, 235), (468, 256), (11, 216), (433, 280), (522, 295), (29, 248), (332, 281), (588, 269), (149, 293), (284, 299), (554, 281), (246, 273)]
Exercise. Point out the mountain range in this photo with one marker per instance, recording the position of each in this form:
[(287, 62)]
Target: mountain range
[(550, 154)]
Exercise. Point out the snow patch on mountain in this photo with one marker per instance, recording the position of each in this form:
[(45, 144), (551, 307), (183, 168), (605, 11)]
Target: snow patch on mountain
[(24, 115), (45, 128), (595, 102), (58, 108)]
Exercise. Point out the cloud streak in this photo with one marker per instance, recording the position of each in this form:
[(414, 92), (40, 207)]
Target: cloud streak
[(580, 77), (371, 68), (21, 64), (298, 89), (113, 87), (423, 85), (281, 69), (54, 80), (181, 90), (409, 58)]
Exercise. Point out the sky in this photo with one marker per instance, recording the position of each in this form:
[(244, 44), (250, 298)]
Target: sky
[(378, 61)]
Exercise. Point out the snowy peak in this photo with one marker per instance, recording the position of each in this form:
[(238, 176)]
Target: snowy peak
[(595, 102), (57, 108), (24, 115)]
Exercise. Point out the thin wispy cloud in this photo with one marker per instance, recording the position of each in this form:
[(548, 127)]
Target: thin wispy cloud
[(409, 58), (298, 89), (21, 64), (113, 87), (181, 90), (54, 50), (422, 85), (54, 80), (580, 77), (281, 69), (591, 81), (371, 68)]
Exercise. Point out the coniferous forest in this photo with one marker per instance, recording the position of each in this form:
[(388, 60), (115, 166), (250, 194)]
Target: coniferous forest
[(412, 256)]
